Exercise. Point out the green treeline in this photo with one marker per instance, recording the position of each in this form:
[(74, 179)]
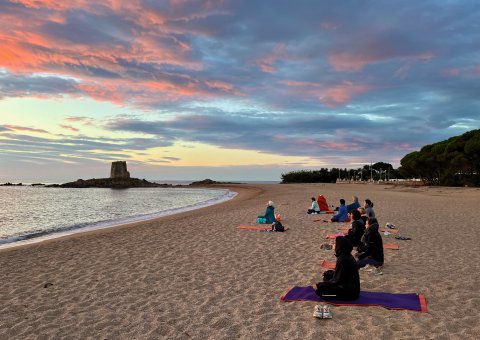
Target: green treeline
[(377, 171), (452, 162)]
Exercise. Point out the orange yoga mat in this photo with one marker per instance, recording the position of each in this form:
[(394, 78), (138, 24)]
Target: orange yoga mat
[(328, 264), (253, 227), (393, 246)]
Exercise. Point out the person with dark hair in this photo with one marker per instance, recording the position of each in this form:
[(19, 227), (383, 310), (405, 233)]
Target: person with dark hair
[(368, 205), (315, 209), (357, 229), (353, 206), (342, 213), (371, 251), (344, 282)]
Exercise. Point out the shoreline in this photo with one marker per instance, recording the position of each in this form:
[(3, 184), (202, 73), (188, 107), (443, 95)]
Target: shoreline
[(196, 275), (25, 240)]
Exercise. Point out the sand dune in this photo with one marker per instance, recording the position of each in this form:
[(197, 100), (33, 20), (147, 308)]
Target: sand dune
[(196, 275)]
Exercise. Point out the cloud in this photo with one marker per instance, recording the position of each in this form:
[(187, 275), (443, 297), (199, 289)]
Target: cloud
[(327, 80)]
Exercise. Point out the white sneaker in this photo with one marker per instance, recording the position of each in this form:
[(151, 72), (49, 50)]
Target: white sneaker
[(367, 268), (377, 271)]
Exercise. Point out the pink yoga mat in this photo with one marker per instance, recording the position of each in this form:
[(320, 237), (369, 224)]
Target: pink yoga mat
[(328, 264)]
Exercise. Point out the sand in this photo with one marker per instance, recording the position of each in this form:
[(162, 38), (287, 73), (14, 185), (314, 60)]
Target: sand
[(196, 275)]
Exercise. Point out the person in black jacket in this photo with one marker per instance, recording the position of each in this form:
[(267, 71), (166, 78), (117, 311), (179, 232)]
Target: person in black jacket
[(357, 229), (345, 283), (371, 251)]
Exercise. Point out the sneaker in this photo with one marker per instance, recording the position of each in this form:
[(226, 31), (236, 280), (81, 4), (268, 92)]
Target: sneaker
[(327, 313), (367, 268), (377, 271)]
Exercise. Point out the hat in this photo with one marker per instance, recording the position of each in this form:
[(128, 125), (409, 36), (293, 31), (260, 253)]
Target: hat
[(277, 217)]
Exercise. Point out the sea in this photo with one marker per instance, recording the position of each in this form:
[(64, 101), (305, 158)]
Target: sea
[(30, 214)]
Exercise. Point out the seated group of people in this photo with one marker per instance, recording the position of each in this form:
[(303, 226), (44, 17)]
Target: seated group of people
[(344, 282)]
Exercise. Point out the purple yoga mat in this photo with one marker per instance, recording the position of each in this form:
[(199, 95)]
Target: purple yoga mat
[(408, 301)]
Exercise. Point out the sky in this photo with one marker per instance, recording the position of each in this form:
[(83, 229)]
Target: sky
[(230, 89)]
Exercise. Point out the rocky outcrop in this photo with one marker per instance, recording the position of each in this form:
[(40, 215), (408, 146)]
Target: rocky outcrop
[(119, 170), (114, 183)]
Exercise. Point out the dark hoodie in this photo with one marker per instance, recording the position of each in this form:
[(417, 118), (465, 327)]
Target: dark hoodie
[(356, 232), (345, 284), (372, 245)]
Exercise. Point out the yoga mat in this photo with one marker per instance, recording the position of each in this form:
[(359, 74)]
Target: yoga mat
[(253, 227), (334, 236), (382, 230), (391, 246), (328, 265), (409, 301)]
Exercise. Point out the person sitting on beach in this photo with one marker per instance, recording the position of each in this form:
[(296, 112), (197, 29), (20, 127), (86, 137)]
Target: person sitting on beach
[(342, 213), (368, 205), (269, 213), (353, 206), (315, 209), (277, 225), (363, 215), (357, 229), (344, 282), (371, 250)]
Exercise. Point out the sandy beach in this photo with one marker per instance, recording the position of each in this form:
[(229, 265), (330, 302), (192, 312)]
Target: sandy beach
[(195, 275)]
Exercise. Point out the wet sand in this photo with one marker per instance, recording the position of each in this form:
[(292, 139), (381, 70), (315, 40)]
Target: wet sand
[(196, 275)]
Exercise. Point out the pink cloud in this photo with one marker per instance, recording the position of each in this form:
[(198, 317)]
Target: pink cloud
[(69, 127), (267, 62), (330, 95), (25, 129), (357, 60)]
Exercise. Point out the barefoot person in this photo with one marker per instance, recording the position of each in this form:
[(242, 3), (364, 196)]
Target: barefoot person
[(344, 283)]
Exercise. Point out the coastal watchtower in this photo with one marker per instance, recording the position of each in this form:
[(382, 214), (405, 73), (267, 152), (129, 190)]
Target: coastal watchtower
[(119, 170)]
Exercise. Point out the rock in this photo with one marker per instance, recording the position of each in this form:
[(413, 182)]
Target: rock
[(119, 170)]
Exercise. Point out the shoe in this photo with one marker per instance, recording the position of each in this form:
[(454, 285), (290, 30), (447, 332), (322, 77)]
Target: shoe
[(377, 271), (322, 312), (367, 268)]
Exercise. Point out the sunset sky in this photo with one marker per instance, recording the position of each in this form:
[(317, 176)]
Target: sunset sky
[(230, 90)]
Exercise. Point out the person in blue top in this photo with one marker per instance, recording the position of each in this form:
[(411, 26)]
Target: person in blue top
[(342, 213), (353, 206), (269, 213)]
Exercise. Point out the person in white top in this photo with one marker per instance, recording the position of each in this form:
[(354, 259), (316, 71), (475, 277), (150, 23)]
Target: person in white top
[(315, 209)]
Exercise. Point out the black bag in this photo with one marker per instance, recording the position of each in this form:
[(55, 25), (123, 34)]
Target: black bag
[(278, 226), (328, 275)]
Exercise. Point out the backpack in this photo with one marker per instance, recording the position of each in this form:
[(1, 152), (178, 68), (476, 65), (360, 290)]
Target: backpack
[(278, 226)]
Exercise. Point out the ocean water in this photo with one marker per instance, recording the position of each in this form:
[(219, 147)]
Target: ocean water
[(31, 214)]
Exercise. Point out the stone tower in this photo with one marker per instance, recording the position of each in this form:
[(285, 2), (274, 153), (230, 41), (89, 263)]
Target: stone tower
[(119, 170)]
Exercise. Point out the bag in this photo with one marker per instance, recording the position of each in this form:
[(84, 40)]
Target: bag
[(278, 226), (328, 275)]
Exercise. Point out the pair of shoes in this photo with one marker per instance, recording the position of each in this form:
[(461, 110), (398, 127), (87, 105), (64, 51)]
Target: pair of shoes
[(398, 237), (377, 271), (390, 226), (326, 246), (322, 312)]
